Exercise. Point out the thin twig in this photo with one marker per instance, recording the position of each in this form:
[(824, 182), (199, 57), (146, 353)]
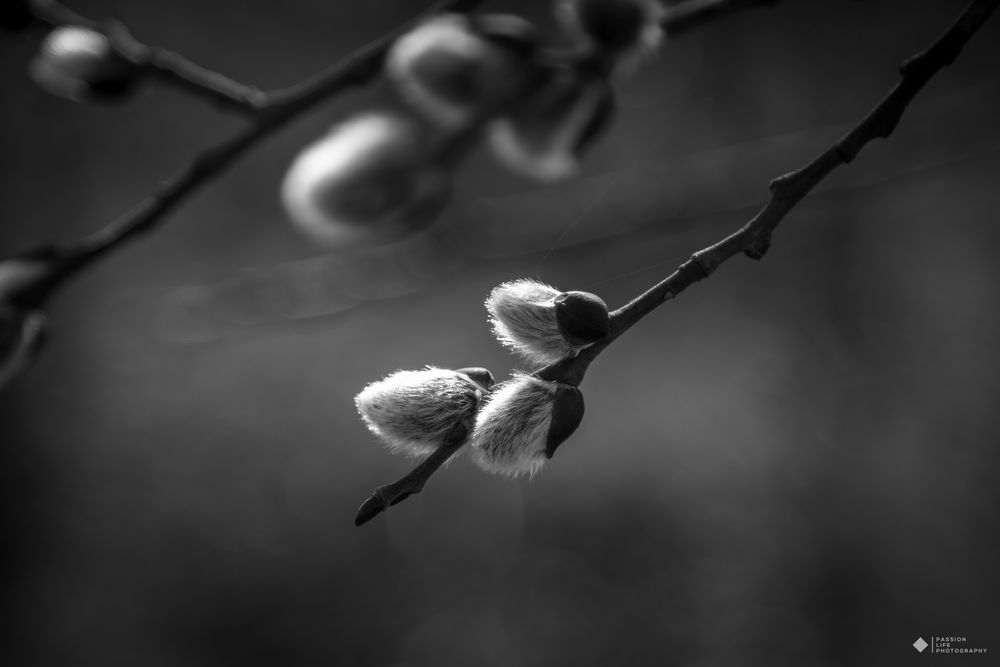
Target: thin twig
[(268, 112), (162, 64), (753, 238), (385, 496)]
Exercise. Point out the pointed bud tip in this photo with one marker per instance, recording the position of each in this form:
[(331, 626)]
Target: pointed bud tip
[(369, 509)]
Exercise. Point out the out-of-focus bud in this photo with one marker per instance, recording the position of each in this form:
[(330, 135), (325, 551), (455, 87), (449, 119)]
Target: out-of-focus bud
[(545, 136), (620, 32), (453, 69), (522, 423), (413, 411), (371, 179), (14, 15), (22, 328), (542, 324), (80, 64)]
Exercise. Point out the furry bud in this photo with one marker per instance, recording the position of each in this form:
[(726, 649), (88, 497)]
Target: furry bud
[(80, 64), (452, 68), (545, 136), (582, 317), (542, 324), (370, 178), (413, 411), (522, 423), (621, 32)]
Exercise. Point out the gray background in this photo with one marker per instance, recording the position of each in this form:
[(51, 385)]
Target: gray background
[(793, 463)]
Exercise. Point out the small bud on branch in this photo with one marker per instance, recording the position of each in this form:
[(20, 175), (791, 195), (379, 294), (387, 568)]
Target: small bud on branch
[(80, 64)]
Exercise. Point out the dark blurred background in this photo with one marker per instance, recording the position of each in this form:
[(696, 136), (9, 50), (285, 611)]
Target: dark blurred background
[(794, 463)]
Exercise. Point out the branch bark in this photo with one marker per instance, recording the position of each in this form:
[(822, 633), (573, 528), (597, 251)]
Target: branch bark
[(753, 239)]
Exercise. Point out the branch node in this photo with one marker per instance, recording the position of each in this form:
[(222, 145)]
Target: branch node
[(846, 156), (706, 261), (758, 247)]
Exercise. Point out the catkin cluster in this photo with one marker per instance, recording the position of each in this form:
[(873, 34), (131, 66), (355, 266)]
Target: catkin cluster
[(512, 427)]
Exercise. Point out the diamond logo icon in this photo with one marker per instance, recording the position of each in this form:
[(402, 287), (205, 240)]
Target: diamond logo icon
[(920, 644)]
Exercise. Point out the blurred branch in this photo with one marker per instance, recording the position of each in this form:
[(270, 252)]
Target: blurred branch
[(162, 64), (268, 111), (271, 111), (682, 17), (753, 238)]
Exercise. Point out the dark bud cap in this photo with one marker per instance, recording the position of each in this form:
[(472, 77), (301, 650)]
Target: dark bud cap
[(508, 31), (567, 413), (582, 317), (480, 376)]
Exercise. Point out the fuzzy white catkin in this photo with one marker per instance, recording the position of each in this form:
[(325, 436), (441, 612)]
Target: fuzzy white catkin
[(367, 179), (523, 318), (446, 34), (413, 411), (512, 427)]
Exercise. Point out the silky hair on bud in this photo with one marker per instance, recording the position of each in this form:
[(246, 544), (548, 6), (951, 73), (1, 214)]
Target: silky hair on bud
[(523, 318), (512, 427), (412, 411)]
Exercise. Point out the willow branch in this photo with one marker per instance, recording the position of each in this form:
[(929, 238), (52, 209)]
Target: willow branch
[(788, 190), (389, 494), (161, 64), (268, 112), (754, 238)]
